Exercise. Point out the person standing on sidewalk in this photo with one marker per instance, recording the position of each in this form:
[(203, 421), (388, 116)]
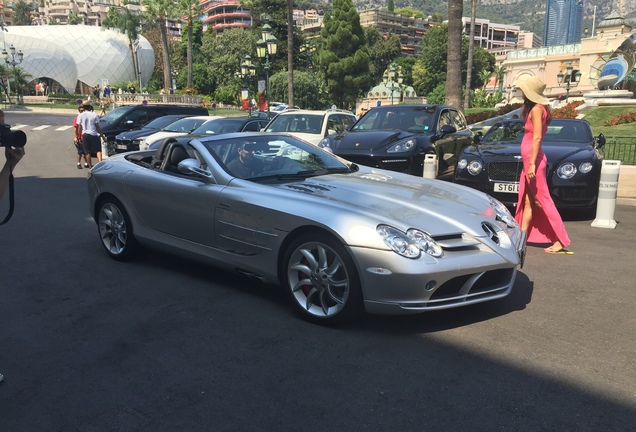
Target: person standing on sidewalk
[(90, 131)]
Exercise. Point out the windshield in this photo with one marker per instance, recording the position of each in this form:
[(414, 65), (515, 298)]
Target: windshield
[(115, 114), (186, 125), (296, 123), (412, 119), (273, 157), (161, 122), (220, 126), (559, 132)]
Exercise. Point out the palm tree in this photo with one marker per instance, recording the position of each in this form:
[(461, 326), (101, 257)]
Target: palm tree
[(454, 59), (158, 11), (500, 71), (123, 20), (484, 76), (191, 9), (471, 51), (290, 51)]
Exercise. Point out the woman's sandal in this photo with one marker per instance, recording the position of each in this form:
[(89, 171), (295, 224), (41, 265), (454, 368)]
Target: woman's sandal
[(561, 251)]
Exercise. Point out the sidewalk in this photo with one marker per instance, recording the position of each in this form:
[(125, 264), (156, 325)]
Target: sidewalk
[(627, 185)]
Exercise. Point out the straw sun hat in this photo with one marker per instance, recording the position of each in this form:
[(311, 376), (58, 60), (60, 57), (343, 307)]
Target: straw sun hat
[(533, 88)]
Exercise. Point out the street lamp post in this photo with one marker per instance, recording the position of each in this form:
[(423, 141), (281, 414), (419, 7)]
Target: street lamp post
[(307, 50), (247, 71), (568, 80), (10, 59), (390, 77), (264, 48)]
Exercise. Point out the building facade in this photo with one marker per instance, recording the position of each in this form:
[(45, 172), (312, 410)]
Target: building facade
[(408, 28), (563, 22), (492, 36), (222, 15)]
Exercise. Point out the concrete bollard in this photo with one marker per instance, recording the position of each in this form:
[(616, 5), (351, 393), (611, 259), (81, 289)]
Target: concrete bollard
[(430, 166), (607, 191)]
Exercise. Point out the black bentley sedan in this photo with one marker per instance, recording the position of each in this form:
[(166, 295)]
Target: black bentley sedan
[(397, 138), (493, 165)]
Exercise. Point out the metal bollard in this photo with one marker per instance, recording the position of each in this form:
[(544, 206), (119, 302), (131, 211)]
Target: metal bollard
[(607, 191), (430, 166), (104, 149)]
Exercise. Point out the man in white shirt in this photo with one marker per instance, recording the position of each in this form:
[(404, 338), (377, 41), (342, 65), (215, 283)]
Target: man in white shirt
[(90, 131)]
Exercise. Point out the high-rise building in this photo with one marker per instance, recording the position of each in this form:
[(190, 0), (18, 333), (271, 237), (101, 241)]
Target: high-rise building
[(563, 22)]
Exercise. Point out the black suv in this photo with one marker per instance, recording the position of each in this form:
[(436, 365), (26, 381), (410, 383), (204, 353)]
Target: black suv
[(130, 117)]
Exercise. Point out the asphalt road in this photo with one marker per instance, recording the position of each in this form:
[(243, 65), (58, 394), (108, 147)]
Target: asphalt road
[(90, 344)]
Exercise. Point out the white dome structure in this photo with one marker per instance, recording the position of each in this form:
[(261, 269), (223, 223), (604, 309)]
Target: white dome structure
[(66, 54)]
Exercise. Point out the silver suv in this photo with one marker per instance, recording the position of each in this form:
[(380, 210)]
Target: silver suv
[(312, 126)]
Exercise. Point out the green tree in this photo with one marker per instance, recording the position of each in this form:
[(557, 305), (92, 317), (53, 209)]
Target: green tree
[(22, 14), (308, 89), (500, 71), (74, 18), (157, 12), (382, 51), (454, 58), (390, 6), (432, 65), (344, 59), (484, 76), (191, 10), (223, 57), (410, 12)]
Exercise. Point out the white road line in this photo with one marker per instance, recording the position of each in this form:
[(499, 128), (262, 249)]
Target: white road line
[(41, 127), (20, 126), (63, 128)]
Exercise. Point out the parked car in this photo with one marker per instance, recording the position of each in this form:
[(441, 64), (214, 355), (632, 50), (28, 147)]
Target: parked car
[(397, 138), (178, 128), (311, 126), (129, 140), (493, 165), (340, 238), (130, 117), (221, 126)]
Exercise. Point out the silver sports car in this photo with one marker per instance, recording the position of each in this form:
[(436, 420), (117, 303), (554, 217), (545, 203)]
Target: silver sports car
[(338, 237)]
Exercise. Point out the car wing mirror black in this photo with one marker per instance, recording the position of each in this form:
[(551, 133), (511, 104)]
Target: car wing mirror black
[(192, 166), (478, 137), (600, 141), (447, 130)]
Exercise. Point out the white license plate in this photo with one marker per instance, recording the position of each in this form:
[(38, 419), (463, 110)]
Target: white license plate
[(507, 187), (122, 147)]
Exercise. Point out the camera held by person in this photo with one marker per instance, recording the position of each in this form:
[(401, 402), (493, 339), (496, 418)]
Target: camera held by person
[(11, 138)]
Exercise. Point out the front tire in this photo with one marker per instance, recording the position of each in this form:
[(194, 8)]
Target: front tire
[(321, 280), (115, 230)]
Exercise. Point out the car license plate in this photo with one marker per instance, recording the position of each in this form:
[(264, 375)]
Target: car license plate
[(122, 146), (507, 187)]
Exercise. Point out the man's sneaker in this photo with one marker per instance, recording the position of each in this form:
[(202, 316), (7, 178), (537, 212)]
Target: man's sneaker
[(85, 165), (79, 166)]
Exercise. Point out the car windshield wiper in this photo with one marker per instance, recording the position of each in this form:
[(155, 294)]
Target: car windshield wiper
[(303, 174)]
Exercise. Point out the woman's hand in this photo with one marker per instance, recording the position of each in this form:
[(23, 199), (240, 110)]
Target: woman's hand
[(532, 169)]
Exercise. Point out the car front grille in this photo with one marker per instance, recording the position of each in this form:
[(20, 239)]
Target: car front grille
[(483, 285), (505, 171), (400, 165)]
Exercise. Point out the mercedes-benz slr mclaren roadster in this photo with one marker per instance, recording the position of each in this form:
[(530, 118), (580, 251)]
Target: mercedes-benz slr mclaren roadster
[(340, 238)]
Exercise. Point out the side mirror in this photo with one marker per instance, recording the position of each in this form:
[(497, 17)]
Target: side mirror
[(447, 130), (600, 141), (193, 166), (478, 137)]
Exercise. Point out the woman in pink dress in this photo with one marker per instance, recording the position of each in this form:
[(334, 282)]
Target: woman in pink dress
[(536, 212)]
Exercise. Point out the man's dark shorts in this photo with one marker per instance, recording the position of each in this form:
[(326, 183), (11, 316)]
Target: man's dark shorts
[(92, 144), (80, 148)]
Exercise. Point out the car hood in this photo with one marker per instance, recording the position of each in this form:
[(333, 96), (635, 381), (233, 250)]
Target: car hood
[(401, 200), (157, 136), (363, 141), (554, 152), (137, 133)]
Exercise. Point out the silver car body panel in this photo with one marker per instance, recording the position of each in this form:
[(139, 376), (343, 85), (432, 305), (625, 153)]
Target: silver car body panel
[(243, 225)]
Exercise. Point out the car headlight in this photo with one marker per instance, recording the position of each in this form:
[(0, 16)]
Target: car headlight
[(475, 167), (409, 244), (502, 213), (566, 170), (586, 167), (462, 164), (403, 146)]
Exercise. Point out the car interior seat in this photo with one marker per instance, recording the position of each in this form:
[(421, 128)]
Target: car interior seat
[(567, 133), (161, 152), (176, 153)]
